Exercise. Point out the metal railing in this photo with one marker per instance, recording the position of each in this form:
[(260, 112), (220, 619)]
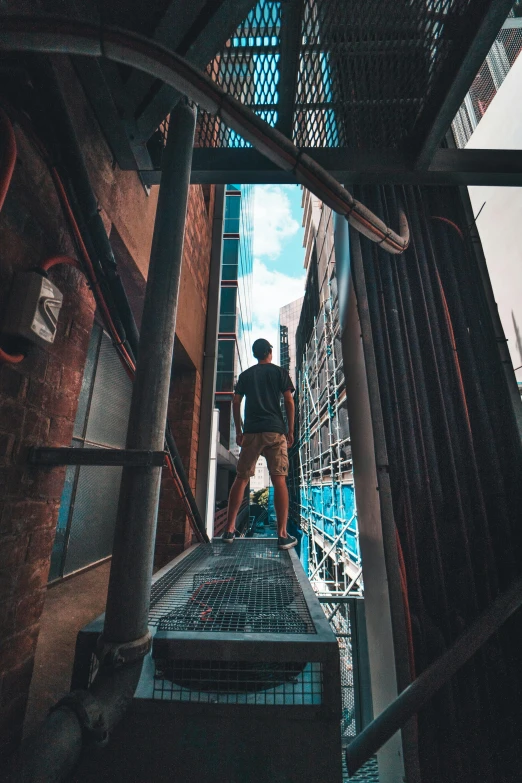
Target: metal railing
[(415, 696)]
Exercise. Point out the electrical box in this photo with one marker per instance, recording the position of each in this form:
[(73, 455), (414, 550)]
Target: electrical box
[(33, 309)]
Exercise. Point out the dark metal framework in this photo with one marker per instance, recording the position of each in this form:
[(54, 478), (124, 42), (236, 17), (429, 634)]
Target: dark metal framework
[(368, 92)]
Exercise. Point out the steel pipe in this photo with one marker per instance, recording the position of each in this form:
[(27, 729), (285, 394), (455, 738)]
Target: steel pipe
[(63, 36), (128, 597)]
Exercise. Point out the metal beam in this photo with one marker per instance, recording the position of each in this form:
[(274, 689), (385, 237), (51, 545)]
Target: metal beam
[(290, 37), (67, 456), (449, 166), (472, 41), (209, 34), (100, 94)]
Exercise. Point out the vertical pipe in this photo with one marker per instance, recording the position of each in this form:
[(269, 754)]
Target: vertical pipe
[(129, 585), (208, 386)]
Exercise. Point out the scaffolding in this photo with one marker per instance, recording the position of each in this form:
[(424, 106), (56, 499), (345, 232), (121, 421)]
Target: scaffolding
[(322, 479)]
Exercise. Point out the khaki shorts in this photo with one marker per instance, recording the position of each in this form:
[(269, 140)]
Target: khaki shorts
[(272, 445)]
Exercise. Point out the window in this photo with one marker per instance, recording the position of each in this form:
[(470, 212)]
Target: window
[(225, 365), (227, 311), (230, 258), (226, 350), (232, 212)]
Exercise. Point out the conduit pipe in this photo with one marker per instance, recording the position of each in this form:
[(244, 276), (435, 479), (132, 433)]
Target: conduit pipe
[(8, 155), (71, 156), (7, 165), (62, 36)]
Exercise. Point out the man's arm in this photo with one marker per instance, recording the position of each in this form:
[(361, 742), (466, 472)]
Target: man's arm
[(290, 410), (236, 412)]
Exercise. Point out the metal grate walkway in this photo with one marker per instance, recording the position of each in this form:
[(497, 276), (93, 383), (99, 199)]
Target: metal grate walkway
[(247, 587)]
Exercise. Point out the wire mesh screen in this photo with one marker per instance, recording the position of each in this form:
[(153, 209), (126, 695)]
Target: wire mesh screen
[(340, 623), (363, 71), (487, 82), (247, 588), (239, 682), (369, 773)]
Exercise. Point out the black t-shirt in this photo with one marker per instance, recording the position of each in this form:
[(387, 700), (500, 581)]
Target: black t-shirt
[(263, 385)]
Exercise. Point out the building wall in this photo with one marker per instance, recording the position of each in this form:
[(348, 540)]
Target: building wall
[(235, 320), (38, 397), (261, 478), (289, 317)]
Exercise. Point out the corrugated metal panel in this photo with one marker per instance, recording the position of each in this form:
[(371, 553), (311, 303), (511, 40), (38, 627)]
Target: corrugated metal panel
[(93, 506), (93, 516), (88, 373), (110, 404)]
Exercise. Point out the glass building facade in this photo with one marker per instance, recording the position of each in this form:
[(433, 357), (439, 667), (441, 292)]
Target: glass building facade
[(288, 322), (235, 314)]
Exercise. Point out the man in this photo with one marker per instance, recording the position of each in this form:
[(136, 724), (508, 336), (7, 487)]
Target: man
[(264, 433)]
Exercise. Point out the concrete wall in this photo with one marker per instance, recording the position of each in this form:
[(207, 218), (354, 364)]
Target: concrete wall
[(38, 397), (500, 219)]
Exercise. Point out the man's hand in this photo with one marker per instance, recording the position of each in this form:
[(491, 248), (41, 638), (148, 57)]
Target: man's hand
[(290, 440), (239, 438)]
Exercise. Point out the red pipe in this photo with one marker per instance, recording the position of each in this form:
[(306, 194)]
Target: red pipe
[(9, 358), (449, 324), (8, 162), (56, 260), (8, 142)]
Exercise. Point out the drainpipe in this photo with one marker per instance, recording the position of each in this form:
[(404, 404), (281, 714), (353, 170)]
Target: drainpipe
[(51, 754), (208, 386)]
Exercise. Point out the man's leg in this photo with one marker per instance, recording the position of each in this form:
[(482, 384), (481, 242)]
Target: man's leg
[(235, 498), (281, 504)]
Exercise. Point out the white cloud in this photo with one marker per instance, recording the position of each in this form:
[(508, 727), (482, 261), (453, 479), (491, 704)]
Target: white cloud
[(271, 290), (273, 221)]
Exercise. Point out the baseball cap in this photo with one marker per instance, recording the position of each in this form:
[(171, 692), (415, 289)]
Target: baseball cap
[(261, 348)]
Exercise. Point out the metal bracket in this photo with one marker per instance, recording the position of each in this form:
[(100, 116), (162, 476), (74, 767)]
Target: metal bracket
[(89, 714), (43, 455), (119, 653)]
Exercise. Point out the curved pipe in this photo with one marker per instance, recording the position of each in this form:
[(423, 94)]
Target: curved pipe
[(8, 159), (8, 162), (62, 36), (51, 753), (11, 358), (49, 263)]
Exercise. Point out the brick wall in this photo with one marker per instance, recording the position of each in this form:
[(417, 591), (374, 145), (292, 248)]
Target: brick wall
[(38, 400), (174, 533)]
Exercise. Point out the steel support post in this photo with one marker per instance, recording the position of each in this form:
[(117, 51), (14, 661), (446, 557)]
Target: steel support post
[(131, 570), (208, 387), (386, 644)]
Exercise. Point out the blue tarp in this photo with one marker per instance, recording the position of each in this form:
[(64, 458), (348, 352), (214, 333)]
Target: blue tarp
[(329, 508)]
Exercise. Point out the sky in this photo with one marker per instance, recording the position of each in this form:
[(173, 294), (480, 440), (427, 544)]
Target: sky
[(279, 275)]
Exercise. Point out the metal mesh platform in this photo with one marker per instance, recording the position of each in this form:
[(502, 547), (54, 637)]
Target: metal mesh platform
[(363, 72), (249, 587)]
